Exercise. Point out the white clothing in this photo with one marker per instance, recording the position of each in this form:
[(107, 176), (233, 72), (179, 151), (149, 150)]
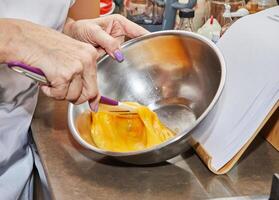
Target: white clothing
[(18, 98)]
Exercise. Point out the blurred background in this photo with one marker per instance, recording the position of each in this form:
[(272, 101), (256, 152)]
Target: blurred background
[(210, 18)]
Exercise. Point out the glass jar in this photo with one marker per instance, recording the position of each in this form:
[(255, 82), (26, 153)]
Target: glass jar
[(264, 4), (217, 8), (144, 11), (186, 20)]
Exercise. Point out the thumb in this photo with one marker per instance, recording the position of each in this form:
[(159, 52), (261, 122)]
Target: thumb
[(46, 90)]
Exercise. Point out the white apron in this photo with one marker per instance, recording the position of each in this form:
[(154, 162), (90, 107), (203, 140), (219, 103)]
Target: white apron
[(18, 98)]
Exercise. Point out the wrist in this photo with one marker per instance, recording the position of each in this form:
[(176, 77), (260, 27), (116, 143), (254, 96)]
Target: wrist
[(68, 27)]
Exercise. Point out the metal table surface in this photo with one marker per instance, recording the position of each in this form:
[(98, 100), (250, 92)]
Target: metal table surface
[(72, 173)]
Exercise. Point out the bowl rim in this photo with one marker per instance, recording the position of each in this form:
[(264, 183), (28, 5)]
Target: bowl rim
[(71, 122)]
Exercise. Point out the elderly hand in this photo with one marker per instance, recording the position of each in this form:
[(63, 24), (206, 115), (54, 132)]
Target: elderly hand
[(105, 32), (69, 65)]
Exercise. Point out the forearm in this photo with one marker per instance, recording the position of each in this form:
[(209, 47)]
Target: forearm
[(9, 29)]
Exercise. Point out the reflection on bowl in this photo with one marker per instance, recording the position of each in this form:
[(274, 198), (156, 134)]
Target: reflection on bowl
[(179, 75)]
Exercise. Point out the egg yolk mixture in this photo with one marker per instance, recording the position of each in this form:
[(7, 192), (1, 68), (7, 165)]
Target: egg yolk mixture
[(130, 132)]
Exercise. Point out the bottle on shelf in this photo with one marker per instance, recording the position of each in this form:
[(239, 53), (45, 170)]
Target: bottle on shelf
[(211, 29), (226, 19), (186, 19)]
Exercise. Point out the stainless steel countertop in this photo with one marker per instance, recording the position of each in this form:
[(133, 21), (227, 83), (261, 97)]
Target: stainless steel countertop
[(73, 174)]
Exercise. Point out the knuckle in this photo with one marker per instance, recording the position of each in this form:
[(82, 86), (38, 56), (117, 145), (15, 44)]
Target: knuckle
[(71, 70), (71, 97), (77, 68), (91, 94), (81, 99), (66, 75), (77, 102), (60, 96), (94, 28), (72, 100), (90, 49), (118, 16), (88, 59), (112, 44), (115, 44)]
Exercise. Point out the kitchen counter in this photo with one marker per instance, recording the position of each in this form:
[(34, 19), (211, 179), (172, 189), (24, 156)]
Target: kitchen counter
[(73, 173)]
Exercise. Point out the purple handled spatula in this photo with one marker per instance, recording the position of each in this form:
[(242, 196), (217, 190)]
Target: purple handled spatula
[(31, 72), (38, 75)]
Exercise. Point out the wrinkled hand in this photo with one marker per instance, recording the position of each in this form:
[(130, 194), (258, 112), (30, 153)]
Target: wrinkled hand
[(69, 65), (106, 33)]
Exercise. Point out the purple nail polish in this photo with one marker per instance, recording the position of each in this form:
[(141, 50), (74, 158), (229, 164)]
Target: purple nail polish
[(96, 107), (118, 56)]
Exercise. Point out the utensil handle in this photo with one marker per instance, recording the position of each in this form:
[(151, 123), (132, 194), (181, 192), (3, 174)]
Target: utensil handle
[(108, 101), (34, 70), (29, 71)]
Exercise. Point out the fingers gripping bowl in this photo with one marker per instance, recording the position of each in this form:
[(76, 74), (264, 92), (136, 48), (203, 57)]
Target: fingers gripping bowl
[(179, 75)]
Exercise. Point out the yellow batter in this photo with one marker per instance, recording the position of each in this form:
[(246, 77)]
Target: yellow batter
[(123, 133)]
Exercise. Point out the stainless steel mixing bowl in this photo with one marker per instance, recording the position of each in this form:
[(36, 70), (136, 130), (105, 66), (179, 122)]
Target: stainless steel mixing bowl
[(179, 75)]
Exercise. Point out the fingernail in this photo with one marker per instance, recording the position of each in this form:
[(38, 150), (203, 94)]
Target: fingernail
[(118, 55), (96, 107), (93, 107)]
